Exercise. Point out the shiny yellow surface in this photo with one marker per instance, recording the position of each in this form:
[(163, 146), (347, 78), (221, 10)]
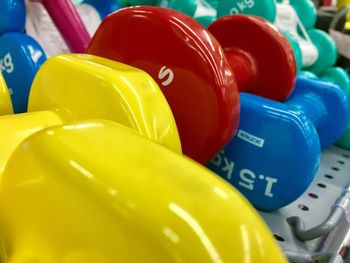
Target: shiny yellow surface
[(98, 192), (78, 87), (16, 128), (5, 99)]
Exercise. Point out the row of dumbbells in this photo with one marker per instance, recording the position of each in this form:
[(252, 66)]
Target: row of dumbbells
[(233, 100)]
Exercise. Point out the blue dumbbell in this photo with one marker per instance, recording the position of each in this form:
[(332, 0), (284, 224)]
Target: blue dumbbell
[(13, 16), (20, 58), (276, 152), (103, 7)]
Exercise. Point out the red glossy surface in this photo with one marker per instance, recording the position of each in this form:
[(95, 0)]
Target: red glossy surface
[(268, 67), (203, 93)]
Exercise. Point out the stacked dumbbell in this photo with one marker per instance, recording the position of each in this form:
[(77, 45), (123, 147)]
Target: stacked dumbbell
[(255, 74), (63, 75), (200, 73)]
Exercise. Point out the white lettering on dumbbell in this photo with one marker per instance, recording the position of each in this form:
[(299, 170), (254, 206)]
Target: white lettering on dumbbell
[(241, 6), (227, 166), (6, 64), (245, 182), (270, 181), (247, 178), (166, 73), (259, 142), (35, 54)]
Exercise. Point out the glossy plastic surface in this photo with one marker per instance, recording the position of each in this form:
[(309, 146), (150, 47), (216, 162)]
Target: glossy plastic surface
[(296, 49), (93, 192), (12, 16), (69, 23), (21, 57), (104, 7), (262, 8), (267, 69), (79, 87), (187, 63), (14, 129), (306, 11), (338, 76), (5, 99), (326, 48), (325, 104), (274, 156)]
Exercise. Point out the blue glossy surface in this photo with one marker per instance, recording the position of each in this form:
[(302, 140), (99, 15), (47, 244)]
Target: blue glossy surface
[(12, 16), (20, 57), (325, 104), (274, 156), (104, 7)]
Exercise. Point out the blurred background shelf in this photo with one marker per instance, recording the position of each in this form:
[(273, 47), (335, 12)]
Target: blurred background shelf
[(313, 207)]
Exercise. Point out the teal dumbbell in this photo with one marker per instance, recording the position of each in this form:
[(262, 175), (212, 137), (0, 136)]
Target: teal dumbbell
[(327, 51), (201, 10), (306, 11), (137, 2), (262, 8), (296, 49)]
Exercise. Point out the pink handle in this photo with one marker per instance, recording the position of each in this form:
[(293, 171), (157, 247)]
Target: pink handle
[(69, 23)]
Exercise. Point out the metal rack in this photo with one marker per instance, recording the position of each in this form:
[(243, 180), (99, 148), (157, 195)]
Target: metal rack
[(323, 210)]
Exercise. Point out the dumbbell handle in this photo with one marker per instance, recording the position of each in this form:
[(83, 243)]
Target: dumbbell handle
[(69, 23), (244, 67)]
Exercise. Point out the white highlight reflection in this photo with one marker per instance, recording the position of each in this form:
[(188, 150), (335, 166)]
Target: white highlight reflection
[(198, 230)]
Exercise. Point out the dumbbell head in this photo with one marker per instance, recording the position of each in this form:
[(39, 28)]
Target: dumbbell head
[(338, 76), (12, 16), (5, 99), (189, 66), (80, 87), (200, 10), (291, 134), (267, 69), (20, 58), (261, 8), (104, 7), (137, 2), (327, 50), (174, 53), (325, 104), (95, 180), (306, 11), (296, 49)]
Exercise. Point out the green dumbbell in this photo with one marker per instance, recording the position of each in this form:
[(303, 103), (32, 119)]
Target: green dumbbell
[(307, 74), (306, 11), (262, 8), (137, 2), (327, 51), (296, 48), (337, 76), (200, 10)]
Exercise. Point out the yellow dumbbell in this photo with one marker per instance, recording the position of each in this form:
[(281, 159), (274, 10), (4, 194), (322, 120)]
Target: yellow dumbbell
[(98, 192), (5, 99), (77, 87)]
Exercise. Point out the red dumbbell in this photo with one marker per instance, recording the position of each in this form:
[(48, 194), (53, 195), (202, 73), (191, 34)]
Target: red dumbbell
[(195, 72)]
